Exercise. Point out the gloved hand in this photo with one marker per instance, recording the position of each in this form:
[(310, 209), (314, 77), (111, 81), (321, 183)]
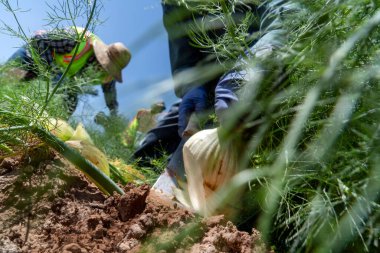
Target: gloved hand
[(194, 101)]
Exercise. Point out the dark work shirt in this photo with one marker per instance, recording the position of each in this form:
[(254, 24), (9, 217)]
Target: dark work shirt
[(46, 43)]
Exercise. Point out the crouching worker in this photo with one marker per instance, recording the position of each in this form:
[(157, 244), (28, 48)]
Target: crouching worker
[(56, 48), (145, 120), (213, 157)]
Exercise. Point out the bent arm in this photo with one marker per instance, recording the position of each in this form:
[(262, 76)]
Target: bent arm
[(110, 96)]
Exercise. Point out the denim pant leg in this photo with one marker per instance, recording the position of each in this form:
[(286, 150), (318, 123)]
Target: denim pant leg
[(176, 165), (21, 56), (26, 63)]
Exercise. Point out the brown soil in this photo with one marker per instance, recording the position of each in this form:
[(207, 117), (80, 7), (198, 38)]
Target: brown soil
[(47, 206)]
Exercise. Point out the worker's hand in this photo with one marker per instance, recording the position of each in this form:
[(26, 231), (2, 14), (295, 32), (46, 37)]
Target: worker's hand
[(194, 102)]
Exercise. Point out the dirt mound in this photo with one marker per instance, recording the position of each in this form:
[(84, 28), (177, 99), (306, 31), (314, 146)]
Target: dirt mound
[(52, 208)]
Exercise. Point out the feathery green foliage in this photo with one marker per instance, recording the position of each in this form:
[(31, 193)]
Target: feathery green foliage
[(309, 113), (26, 108)]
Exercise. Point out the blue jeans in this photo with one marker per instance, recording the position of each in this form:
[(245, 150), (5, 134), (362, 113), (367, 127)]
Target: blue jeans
[(22, 60)]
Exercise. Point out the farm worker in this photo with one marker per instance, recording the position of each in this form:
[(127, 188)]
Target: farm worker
[(210, 161), (197, 93), (144, 120), (56, 48)]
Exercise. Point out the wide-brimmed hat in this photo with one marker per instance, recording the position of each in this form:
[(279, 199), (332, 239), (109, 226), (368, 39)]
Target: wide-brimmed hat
[(113, 58)]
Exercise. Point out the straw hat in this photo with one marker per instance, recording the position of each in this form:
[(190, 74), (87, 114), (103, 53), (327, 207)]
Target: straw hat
[(113, 58)]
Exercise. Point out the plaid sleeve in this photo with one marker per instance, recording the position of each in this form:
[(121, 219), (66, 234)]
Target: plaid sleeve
[(46, 43)]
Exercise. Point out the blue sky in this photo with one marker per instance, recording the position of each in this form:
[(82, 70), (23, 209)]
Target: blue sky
[(136, 23)]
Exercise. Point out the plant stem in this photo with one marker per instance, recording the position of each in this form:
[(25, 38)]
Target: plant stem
[(60, 81), (15, 128), (105, 184), (102, 181)]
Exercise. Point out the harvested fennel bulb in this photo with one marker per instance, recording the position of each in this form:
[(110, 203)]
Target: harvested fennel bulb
[(209, 165)]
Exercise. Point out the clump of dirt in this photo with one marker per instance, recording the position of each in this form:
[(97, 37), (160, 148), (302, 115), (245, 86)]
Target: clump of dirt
[(51, 207)]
